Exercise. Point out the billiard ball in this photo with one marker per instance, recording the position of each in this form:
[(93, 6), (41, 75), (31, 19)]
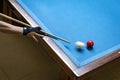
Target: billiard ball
[(90, 44), (79, 44)]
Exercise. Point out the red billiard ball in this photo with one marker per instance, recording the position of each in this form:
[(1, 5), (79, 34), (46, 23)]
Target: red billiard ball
[(90, 44)]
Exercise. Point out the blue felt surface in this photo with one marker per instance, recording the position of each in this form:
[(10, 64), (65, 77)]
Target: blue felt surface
[(79, 20)]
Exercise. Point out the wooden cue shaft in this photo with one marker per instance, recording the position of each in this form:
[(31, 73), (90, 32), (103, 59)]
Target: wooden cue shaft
[(15, 20)]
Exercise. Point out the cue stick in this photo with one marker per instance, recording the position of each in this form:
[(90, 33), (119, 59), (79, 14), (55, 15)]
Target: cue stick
[(46, 34), (15, 20), (54, 36)]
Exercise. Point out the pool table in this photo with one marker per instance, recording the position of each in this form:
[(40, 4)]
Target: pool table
[(76, 20)]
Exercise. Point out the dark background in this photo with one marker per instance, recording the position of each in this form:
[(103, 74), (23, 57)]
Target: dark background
[(1, 1)]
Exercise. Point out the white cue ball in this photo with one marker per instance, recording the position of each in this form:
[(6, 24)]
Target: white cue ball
[(79, 44)]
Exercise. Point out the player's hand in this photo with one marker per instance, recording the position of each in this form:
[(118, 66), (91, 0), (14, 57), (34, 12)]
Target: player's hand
[(33, 33), (34, 36)]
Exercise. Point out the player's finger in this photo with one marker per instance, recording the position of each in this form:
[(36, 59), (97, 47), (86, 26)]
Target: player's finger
[(39, 35), (35, 39)]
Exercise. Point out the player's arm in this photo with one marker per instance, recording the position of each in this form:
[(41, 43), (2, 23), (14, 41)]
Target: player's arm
[(8, 28)]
